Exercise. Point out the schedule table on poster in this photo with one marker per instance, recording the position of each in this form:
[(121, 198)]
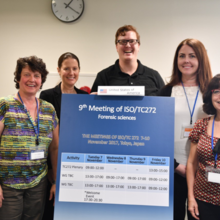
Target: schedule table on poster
[(115, 179)]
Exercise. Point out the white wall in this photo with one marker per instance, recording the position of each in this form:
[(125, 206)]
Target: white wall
[(28, 27)]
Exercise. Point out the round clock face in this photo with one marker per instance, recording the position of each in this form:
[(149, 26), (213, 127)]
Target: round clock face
[(67, 10)]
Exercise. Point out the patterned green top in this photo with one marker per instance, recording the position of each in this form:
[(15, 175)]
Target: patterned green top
[(18, 139)]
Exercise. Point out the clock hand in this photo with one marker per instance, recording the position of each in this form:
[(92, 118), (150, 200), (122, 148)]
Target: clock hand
[(71, 8), (68, 4)]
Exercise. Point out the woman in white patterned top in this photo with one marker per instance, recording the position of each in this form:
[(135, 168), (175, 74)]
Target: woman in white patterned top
[(190, 76)]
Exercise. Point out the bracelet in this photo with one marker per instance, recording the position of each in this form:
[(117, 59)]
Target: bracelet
[(54, 182)]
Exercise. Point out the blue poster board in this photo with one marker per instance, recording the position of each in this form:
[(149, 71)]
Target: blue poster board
[(116, 158)]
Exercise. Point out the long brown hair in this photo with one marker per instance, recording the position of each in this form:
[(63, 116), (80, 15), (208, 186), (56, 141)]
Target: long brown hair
[(204, 73)]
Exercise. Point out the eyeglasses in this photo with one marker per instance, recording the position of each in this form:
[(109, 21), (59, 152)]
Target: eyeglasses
[(131, 42), (216, 92)]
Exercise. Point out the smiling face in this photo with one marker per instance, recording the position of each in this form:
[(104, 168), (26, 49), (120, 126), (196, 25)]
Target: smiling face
[(187, 61), (127, 52), (69, 72), (30, 82), (216, 99)]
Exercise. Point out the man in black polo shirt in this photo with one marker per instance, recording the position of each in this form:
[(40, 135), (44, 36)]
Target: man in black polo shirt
[(128, 70)]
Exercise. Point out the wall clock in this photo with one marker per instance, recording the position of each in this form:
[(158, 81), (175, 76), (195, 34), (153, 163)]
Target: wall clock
[(68, 10)]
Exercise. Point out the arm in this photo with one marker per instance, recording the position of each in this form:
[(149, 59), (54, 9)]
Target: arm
[(53, 154), (192, 165), (181, 170), (44, 95), (1, 191), (176, 164)]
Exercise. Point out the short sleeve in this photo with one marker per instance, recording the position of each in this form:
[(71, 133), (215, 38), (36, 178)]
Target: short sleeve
[(3, 109), (198, 129), (48, 114), (55, 119)]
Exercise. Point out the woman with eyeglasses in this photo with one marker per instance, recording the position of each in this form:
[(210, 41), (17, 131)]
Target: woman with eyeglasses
[(68, 69), (28, 130), (190, 76), (203, 166)]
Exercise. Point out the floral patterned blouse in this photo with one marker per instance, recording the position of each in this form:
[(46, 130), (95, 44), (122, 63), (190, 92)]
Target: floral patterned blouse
[(17, 170)]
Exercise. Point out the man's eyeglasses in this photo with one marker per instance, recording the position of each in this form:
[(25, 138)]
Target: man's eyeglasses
[(124, 42), (216, 92)]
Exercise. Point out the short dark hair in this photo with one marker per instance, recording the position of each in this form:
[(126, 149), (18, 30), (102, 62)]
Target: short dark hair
[(122, 31), (208, 107), (35, 64), (66, 56)]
